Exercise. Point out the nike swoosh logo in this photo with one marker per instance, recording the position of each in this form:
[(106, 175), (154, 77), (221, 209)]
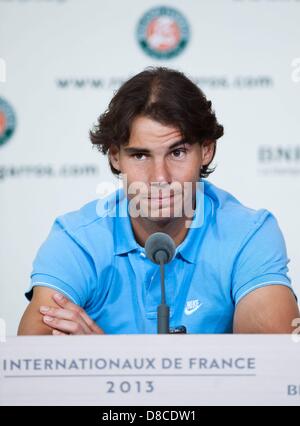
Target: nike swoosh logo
[(191, 311)]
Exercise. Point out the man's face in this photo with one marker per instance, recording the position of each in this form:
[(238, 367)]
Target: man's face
[(158, 164)]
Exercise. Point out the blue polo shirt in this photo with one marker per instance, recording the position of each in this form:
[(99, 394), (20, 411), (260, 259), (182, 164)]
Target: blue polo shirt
[(92, 257)]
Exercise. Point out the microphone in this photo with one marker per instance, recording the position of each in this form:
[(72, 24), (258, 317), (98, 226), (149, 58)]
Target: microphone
[(160, 249)]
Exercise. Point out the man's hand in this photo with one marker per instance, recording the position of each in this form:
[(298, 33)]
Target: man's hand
[(69, 318)]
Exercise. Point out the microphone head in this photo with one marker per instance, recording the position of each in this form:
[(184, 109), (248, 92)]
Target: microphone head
[(162, 243)]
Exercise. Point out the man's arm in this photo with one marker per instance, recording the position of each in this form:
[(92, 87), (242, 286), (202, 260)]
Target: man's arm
[(32, 320), (270, 309), (50, 312)]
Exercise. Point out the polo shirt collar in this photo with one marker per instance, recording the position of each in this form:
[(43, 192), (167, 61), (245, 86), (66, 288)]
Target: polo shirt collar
[(123, 233), (189, 248)]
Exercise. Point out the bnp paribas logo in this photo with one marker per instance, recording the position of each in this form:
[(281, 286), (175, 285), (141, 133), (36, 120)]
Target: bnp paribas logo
[(163, 32), (7, 121)]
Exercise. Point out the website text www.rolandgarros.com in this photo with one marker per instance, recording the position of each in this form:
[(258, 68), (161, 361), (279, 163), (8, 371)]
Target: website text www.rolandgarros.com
[(47, 170)]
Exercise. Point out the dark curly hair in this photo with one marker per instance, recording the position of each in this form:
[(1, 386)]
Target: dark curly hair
[(165, 95)]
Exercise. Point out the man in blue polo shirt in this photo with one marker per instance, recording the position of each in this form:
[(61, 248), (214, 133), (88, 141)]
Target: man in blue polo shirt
[(229, 273)]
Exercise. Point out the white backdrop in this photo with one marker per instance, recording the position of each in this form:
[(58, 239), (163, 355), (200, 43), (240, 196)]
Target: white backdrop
[(65, 58)]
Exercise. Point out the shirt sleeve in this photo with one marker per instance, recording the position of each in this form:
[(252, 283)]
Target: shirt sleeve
[(63, 264), (262, 259)]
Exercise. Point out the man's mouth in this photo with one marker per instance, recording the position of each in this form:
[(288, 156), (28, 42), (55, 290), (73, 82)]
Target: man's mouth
[(161, 195), (161, 198)]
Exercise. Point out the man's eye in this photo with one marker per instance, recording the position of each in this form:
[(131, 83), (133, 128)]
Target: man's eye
[(179, 153), (139, 156)]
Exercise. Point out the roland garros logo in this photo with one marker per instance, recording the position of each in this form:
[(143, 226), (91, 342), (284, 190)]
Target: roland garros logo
[(163, 32), (7, 121)]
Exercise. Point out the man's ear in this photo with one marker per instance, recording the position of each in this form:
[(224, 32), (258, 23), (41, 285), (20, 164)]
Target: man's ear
[(208, 149), (114, 156)]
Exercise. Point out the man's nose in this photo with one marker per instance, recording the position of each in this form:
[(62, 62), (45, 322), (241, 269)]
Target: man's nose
[(160, 172)]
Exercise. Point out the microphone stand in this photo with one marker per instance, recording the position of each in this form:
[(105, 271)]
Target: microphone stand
[(160, 249), (163, 310)]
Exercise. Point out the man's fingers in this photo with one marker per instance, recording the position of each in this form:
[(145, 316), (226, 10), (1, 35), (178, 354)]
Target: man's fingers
[(92, 325), (59, 333), (67, 304), (64, 314), (65, 326), (64, 302), (60, 313)]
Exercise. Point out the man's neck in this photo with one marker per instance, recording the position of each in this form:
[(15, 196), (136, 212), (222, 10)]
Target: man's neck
[(176, 228)]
